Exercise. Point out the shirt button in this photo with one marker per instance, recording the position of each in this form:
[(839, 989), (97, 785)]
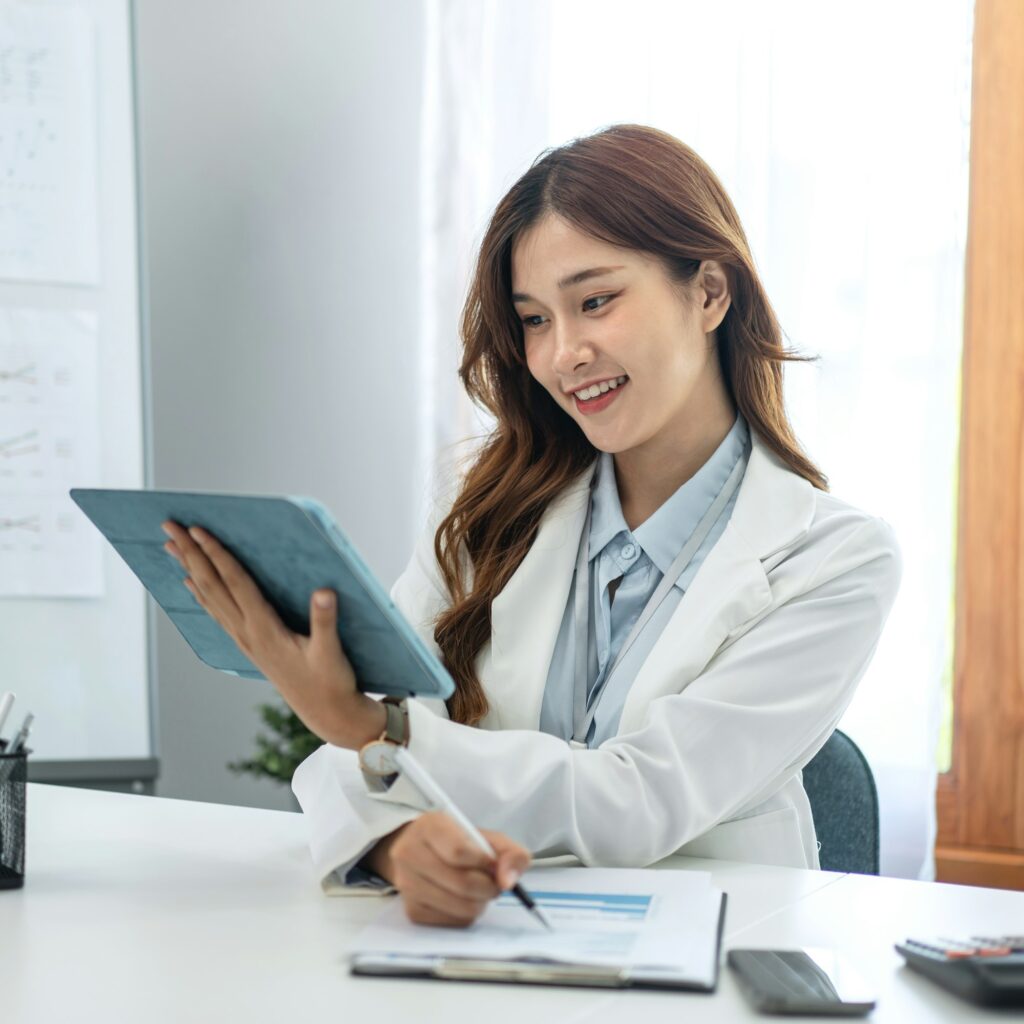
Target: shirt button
[(628, 551)]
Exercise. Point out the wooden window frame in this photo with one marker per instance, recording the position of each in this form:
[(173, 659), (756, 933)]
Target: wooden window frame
[(980, 801)]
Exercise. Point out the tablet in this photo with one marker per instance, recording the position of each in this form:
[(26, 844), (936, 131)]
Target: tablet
[(290, 546)]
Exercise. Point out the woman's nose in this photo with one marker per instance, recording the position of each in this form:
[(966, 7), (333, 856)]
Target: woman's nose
[(571, 351)]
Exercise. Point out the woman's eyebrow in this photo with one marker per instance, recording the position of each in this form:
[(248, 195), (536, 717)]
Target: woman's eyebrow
[(568, 282)]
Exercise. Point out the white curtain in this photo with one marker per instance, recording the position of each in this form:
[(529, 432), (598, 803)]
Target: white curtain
[(843, 142)]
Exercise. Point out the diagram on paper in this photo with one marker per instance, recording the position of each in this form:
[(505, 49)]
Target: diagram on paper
[(49, 442), (48, 125)]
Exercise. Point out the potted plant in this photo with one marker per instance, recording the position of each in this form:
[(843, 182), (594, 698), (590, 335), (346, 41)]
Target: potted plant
[(280, 753)]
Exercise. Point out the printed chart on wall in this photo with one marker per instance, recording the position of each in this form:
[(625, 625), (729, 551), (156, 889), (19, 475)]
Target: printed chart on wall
[(74, 625), (48, 442), (48, 186), (49, 432)]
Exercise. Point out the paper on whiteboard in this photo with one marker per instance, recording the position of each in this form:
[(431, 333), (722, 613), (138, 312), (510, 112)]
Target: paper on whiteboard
[(648, 921), (49, 442), (48, 127)]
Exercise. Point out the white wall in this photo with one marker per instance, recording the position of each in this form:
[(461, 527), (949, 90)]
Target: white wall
[(279, 144)]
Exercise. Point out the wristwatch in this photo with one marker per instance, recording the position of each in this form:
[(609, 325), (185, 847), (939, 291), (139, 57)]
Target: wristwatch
[(377, 758)]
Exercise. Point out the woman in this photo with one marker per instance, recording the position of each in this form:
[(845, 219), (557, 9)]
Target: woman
[(653, 611)]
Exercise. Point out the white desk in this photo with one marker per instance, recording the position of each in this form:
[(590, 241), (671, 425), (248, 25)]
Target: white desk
[(144, 909)]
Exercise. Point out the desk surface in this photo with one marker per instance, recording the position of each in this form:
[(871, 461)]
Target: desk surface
[(141, 908)]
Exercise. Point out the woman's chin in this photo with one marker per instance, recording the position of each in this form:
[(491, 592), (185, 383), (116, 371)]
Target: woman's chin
[(608, 441)]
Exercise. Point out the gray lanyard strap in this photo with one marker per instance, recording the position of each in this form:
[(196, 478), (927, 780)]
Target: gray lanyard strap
[(581, 716)]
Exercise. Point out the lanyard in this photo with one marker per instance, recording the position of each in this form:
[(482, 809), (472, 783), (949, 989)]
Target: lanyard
[(581, 716)]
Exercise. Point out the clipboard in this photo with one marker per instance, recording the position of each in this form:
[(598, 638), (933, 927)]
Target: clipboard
[(291, 546), (407, 959)]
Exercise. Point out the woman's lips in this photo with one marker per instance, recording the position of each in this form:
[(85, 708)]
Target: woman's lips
[(599, 404)]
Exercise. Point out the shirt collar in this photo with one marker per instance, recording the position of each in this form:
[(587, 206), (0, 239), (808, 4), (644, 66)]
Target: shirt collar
[(663, 535), (606, 519)]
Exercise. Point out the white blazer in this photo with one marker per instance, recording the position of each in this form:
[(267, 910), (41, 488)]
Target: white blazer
[(744, 686)]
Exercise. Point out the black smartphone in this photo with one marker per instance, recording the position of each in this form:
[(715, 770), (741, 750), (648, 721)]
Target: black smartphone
[(800, 981)]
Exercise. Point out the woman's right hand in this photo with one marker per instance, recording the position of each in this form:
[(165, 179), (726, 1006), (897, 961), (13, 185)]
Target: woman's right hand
[(443, 877)]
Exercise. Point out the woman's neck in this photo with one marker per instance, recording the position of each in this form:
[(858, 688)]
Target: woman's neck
[(647, 476)]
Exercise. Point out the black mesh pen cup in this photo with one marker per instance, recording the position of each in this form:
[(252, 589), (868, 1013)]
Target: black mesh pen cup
[(13, 780)]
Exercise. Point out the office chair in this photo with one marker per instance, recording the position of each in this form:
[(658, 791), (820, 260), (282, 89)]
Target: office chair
[(844, 803)]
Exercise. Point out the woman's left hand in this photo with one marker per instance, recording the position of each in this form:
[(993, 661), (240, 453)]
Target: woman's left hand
[(311, 673)]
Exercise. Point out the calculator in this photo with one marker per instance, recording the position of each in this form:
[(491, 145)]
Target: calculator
[(988, 970)]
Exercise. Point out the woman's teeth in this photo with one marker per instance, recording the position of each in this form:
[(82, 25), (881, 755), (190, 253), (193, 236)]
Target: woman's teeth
[(599, 389)]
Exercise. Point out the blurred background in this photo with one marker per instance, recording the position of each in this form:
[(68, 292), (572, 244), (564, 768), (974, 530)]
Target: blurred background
[(247, 226)]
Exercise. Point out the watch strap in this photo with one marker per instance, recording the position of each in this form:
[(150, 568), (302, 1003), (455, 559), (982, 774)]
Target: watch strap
[(396, 729)]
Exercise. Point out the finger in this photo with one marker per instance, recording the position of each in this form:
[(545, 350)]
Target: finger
[(204, 575), (423, 864), (513, 859), (413, 850), (422, 913), (230, 572), (325, 644), (446, 898), (511, 867), (449, 841), (175, 550)]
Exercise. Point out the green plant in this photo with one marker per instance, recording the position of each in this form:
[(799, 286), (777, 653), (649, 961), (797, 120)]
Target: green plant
[(279, 754)]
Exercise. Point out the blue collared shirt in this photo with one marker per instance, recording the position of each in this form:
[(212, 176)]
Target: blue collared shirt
[(641, 557)]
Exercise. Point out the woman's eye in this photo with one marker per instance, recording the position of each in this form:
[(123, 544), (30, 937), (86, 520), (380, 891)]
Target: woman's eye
[(537, 321)]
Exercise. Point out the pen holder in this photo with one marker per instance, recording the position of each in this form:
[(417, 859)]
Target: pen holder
[(13, 780)]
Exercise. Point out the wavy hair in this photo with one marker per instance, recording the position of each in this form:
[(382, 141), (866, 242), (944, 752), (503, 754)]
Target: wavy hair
[(634, 187)]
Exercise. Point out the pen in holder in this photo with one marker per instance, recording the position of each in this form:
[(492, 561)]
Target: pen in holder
[(13, 780)]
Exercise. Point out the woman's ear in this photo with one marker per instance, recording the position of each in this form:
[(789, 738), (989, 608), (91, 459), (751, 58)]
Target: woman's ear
[(713, 288)]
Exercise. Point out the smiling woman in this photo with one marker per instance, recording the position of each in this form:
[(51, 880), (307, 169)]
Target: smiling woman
[(653, 613), (697, 329), (672, 407)]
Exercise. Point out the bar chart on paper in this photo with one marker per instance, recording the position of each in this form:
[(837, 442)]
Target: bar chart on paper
[(586, 907)]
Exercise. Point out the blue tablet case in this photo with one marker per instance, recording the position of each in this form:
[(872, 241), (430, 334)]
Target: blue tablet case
[(290, 546)]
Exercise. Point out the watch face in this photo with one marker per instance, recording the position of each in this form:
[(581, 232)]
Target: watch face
[(378, 758)]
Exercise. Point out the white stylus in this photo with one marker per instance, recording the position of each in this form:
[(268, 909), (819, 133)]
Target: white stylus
[(417, 775), (19, 740), (6, 703)]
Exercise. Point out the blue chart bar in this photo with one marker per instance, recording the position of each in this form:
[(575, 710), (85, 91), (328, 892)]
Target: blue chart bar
[(612, 904)]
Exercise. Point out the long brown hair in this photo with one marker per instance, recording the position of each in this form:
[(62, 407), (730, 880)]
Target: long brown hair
[(635, 187)]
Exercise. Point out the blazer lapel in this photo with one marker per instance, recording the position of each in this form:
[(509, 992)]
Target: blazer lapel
[(774, 508), (526, 615)]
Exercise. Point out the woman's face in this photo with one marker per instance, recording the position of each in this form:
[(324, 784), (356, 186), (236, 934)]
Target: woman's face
[(597, 314)]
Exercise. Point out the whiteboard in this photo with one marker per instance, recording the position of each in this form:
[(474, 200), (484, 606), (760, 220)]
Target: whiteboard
[(75, 626)]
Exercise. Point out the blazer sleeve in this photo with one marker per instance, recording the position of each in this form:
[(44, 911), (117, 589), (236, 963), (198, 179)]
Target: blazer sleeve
[(342, 824), (756, 714)]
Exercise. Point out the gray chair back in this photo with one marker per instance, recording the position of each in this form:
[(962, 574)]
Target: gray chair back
[(844, 803)]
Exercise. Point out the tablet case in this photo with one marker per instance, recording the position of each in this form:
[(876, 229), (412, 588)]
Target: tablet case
[(290, 546)]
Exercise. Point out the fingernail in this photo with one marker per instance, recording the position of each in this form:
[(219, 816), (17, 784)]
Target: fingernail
[(511, 878), (196, 534), (323, 600)]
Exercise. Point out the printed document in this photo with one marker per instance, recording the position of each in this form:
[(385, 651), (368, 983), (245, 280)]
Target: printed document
[(646, 922)]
